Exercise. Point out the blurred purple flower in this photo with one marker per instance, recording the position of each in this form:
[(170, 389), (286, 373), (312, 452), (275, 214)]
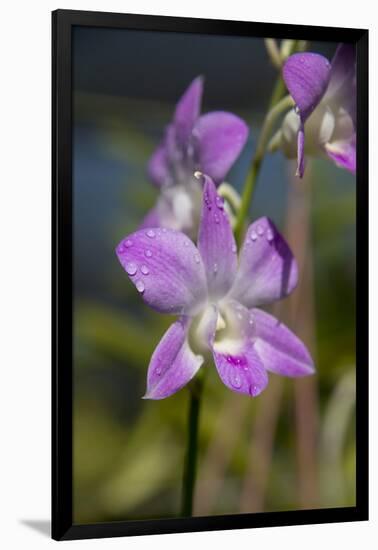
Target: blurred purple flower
[(325, 97), (210, 143), (215, 293)]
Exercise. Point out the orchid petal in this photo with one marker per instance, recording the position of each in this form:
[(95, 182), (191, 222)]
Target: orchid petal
[(236, 360), (188, 109), (343, 71), (280, 351), (173, 364), (158, 167), (343, 153), (267, 268), (300, 151), (216, 242), (151, 219), (241, 370), (306, 76), (166, 269), (219, 138)]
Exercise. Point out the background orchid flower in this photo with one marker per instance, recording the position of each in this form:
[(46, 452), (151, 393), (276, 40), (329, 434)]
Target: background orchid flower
[(323, 121), (216, 295), (210, 143)]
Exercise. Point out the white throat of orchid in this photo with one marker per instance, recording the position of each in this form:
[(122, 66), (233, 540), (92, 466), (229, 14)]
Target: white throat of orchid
[(223, 326)]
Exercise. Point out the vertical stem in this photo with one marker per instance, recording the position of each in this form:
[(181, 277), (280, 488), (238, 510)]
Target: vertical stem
[(190, 466), (283, 105)]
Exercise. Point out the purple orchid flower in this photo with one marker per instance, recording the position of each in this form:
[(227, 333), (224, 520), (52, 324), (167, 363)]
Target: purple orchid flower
[(216, 295), (325, 97), (210, 143)]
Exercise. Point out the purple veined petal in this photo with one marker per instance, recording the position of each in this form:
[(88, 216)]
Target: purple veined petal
[(300, 151), (219, 139), (158, 167), (151, 219), (343, 72), (166, 269), (343, 153), (241, 369), (216, 242), (236, 360), (280, 351), (267, 268), (188, 109), (173, 364), (306, 76)]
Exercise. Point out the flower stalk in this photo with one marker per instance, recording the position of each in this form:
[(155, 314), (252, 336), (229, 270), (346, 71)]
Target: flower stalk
[(190, 467), (282, 106)]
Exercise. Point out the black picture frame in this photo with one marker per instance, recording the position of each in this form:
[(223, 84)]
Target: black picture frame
[(63, 527)]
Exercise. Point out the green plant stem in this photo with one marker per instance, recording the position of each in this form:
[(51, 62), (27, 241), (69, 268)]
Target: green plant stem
[(190, 466), (283, 105)]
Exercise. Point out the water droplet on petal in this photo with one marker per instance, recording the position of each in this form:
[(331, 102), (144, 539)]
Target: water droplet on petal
[(260, 230), (186, 243), (144, 269), (219, 201), (158, 371), (196, 258), (140, 286), (216, 218), (131, 268), (253, 390), (253, 235), (297, 110), (236, 379), (150, 233), (215, 268), (128, 243), (269, 235), (148, 253), (234, 248)]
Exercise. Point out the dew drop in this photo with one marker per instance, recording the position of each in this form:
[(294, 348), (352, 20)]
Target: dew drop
[(144, 269), (131, 268), (260, 230), (128, 243), (186, 243), (216, 218), (253, 390), (150, 233), (196, 258), (234, 248), (140, 286), (219, 201), (158, 371), (253, 235), (236, 380), (215, 268), (148, 253), (269, 235)]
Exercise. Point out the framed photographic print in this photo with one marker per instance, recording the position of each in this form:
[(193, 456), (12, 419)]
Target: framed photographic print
[(210, 292)]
